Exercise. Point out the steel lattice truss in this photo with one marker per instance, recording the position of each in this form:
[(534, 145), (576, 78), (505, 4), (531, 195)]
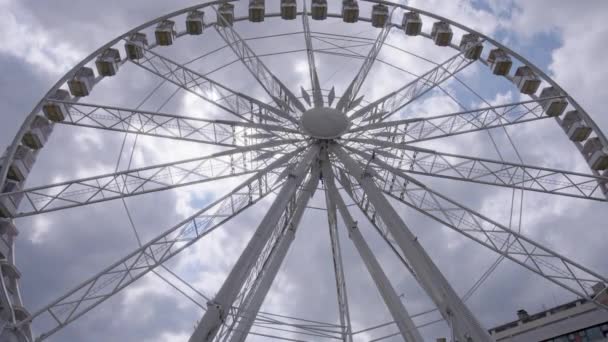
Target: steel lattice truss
[(360, 154)]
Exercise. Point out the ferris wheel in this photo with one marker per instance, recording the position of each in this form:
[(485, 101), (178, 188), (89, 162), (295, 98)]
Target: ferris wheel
[(363, 153)]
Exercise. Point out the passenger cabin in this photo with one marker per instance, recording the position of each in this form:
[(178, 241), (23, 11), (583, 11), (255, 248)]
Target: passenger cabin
[(21, 313), (22, 163), (412, 24), (9, 204), (576, 129), (165, 33), (225, 15), (289, 9), (379, 15), (442, 33), (552, 106), (526, 80), (108, 62), (135, 46), (256, 11), (56, 111), (7, 228), (500, 62), (350, 11), (38, 133), (318, 9), (470, 46), (82, 83), (596, 154), (9, 270), (195, 22)]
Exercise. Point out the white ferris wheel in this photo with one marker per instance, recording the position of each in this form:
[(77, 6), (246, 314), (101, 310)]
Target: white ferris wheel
[(365, 153)]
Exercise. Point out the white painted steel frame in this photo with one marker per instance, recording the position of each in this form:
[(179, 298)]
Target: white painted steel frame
[(387, 291), (464, 325), (373, 113)]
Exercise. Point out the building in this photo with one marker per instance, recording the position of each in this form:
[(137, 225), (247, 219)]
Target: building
[(578, 321)]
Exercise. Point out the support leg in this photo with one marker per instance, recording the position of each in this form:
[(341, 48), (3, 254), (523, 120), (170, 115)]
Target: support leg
[(218, 309), (463, 323), (400, 315)]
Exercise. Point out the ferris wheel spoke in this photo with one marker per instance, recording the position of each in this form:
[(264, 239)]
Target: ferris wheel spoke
[(387, 291), (493, 235), (178, 127), (421, 129), (80, 192), (464, 325), (390, 104), (253, 257), (235, 103), (312, 68), (336, 252), (359, 199), (279, 93), (348, 98), (427, 162), (251, 297), (135, 265)]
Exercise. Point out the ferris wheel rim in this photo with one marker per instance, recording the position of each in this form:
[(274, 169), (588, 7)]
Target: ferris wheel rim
[(69, 74)]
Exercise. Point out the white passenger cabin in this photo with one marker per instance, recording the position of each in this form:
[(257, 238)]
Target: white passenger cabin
[(526, 80), (82, 83), (499, 62), (318, 9), (225, 15), (575, 127), (165, 33), (108, 62), (289, 9), (9, 204), (21, 165), (379, 15), (412, 24), (195, 22), (350, 11), (470, 46), (135, 46), (38, 133), (596, 154), (7, 227), (256, 11), (555, 106), (442, 33), (56, 111)]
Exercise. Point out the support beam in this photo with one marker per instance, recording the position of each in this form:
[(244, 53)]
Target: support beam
[(213, 92), (249, 311), (105, 284), (453, 310), (279, 93), (336, 253), (391, 299), (487, 171), (86, 191), (317, 96), (388, 105), (218, 308), (178, 127), (440, 126), (347, 99), (493, 235)]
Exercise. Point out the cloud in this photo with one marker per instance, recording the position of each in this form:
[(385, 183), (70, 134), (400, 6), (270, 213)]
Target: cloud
[(58, 250)]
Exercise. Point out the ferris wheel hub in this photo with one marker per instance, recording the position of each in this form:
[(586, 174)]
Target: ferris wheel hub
[(324, 123)]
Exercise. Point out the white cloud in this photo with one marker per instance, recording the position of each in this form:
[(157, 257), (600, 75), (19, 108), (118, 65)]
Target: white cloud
[(24, 38)]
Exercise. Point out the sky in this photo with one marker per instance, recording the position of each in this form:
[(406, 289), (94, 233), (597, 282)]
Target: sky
[(41, 41)]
